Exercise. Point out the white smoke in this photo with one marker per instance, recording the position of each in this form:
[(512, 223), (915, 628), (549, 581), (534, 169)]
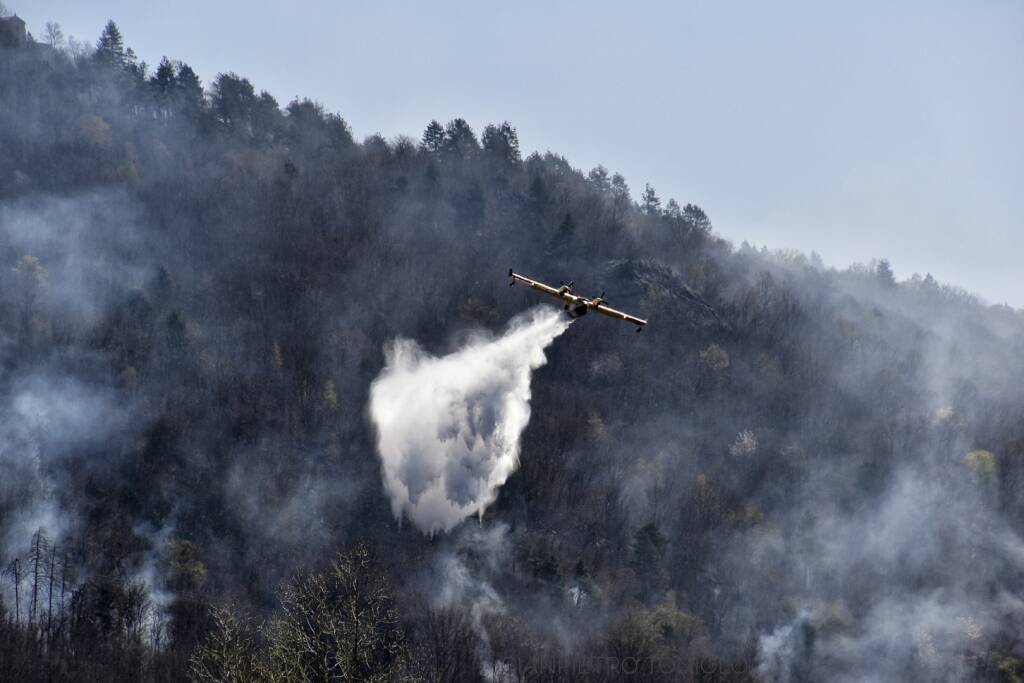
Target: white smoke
[(448, 428)]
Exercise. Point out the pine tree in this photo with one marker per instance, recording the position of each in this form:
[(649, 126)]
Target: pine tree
[(165, 78), (620, 196), (459, 138), (886, 277), (433, 137), (110, 47), (696, 219), (502, 141), (189, 91), (649, 201), (233, 99)]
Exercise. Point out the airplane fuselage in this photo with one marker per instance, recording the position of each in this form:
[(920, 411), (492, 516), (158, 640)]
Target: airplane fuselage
[(576, 305)]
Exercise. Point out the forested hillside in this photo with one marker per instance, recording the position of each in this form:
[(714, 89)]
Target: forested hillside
[(796, 471)]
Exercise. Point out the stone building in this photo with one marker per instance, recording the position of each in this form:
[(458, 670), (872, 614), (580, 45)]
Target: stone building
[(12, 32)]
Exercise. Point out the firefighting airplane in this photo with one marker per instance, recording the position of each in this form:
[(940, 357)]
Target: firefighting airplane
[(576, 305)]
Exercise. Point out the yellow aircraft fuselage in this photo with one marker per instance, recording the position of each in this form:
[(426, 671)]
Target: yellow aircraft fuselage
[(576, 305)]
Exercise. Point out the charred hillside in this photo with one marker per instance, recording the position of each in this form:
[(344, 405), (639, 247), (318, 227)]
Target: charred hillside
[(794, 469)]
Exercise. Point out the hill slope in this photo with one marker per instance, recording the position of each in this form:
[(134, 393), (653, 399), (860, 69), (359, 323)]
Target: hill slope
[(793, 468)]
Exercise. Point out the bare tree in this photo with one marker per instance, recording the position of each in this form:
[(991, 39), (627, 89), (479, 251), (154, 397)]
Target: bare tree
[(51, 575), (53, 35), (339, 625), (4, 11), (37, 559), (451, 645), (79, 50), (63, 563), (135, 610), (230, 653), (14, 571)]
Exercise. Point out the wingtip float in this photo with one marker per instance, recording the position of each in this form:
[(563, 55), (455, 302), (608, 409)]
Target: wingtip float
[(575, 305)]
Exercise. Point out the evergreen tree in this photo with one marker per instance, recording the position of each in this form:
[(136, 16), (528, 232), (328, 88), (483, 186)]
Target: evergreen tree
[(620, 196), (131, 62), (233, 99), (433, 137), (884, 273), (165, 79), (267, 118), (189, 91), (502, 141), (619, 187), (696, 219), (459, 139), (599, 178), (649, 201), (110, 47)]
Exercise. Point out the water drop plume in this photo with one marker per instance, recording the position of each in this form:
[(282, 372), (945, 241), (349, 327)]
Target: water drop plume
[(448, 427)]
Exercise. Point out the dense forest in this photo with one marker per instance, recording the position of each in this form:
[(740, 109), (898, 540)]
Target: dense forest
[(795, 473)]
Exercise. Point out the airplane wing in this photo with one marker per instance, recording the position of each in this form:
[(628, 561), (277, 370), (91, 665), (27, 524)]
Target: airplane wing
[(541, 287), (613, 313)]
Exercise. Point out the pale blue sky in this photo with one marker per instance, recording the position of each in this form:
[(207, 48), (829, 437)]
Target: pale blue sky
[(858, 130)]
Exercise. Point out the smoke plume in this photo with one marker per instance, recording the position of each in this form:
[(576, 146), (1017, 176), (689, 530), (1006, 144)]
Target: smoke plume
[(448, 428)]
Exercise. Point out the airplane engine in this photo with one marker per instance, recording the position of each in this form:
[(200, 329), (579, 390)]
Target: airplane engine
[(577, 309)]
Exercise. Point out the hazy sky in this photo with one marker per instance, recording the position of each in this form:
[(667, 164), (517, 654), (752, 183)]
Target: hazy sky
[(873, 129)]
